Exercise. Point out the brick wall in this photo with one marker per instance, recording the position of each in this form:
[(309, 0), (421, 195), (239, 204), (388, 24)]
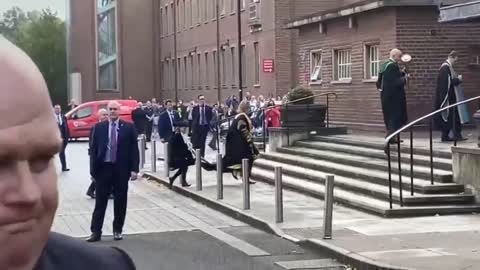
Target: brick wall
[(429, 42), (358, 104)]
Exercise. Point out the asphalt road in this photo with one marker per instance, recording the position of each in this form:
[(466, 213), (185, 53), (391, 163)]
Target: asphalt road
[(195, 250)]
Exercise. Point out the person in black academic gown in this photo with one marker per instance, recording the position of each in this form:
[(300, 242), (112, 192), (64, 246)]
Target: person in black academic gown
[(391, 82), (28, 186), (447, 80), (239, 144), (180, 157)]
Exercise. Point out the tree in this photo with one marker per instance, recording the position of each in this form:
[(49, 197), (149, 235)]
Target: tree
[(42, 35)]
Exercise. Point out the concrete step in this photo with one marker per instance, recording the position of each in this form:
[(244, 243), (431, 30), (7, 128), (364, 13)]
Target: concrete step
[(363, 174), (423, 172), (373, 190), (405, 148), (358, 201), (423, 160)]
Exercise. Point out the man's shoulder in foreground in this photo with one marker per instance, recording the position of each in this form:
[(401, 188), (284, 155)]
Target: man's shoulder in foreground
[(62, 252)]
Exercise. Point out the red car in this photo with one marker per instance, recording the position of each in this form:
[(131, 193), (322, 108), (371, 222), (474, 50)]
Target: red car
[(82, 119)]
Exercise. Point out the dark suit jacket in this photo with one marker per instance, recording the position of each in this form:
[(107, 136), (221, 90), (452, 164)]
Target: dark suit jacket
[(196, 115), (64, 129), (62, 252), (127, 148), (165, 126)]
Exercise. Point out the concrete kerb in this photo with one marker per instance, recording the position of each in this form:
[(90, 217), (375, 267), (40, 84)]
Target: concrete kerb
[(344, 256)]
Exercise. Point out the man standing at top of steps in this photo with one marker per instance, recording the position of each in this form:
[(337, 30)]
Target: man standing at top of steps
[(391, 84)]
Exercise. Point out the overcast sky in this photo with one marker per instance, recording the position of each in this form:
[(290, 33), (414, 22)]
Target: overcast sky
[(57, 5)]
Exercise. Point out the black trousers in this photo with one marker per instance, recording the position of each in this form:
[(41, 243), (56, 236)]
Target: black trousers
[(183, 172), (447, 127), (200, 137), (149, 131), (63, 160), (109, 177)]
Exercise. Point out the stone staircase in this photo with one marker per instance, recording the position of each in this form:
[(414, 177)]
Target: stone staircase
[(361, 176)]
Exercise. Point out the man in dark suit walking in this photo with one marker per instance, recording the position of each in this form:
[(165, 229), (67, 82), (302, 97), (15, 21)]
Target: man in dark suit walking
[(64, 132), (201, 116), (166, 122), (114, 159)]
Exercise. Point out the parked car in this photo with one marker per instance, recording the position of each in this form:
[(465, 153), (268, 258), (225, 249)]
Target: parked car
[(82, 119)]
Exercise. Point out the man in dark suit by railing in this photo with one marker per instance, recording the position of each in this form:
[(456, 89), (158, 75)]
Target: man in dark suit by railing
[(63, 126), (114, 159)]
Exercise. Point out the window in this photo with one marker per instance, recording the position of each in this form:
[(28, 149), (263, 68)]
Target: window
[(199, 70), (185, 73), (315, 66), (233, 6), (224, 68), (106, 41), (207, 68), (221, 7), (176, 15), (205, 10), (190, 13), (213, 9), (343, 61), (244, 65), (257, 63), (173, 18), (215, 65), (165, 22), (166, 77), (233, 62), (183, 13), (372, 61), (162, 23), (179, 73), (195, 12), (83, 113), (192, 68)]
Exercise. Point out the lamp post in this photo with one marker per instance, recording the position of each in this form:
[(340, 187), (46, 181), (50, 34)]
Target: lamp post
[(240, 51)]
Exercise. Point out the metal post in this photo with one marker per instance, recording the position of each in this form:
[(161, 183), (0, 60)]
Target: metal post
[(264, 132), (166, 159), (278, 195), (240, 53), (389, 175), (175, 62), (219, 54), (328, 112), (454, 126), (153, 150), (400, 185), (411, 162), (431, 152), (219, 177), (141, 148), (198, 166), (246, 184), (328, 213)]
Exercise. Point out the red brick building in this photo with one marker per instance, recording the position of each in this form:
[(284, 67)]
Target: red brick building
[(340, 49)]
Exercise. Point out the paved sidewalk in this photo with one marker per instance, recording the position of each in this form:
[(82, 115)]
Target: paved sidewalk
[(438, 242)]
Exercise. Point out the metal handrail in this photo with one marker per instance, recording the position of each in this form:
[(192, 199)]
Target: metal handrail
[(287, 103), (409, 125), (397, 135)]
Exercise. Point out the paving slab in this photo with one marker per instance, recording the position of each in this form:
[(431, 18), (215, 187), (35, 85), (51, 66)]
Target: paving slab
[(432, 242)]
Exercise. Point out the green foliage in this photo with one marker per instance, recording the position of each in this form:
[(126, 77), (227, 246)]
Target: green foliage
[(301, 92), (42, 35)]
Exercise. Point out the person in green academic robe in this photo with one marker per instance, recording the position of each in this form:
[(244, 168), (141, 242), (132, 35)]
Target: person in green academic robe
[(391, 84)]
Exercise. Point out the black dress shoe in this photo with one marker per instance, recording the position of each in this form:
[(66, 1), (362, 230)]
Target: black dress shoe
[(117, 236), (170, 182), (91, 195), (65, 170), (186, 185), (447, 139), (94, 237)]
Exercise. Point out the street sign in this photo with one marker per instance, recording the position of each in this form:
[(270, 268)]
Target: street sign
[(268, 65)]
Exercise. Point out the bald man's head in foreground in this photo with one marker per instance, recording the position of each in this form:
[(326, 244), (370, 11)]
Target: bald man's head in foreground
[(396, 55), (29, 138)]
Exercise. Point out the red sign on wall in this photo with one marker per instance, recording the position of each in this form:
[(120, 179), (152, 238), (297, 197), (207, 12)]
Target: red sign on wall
[(268, 65)]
